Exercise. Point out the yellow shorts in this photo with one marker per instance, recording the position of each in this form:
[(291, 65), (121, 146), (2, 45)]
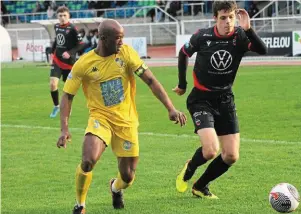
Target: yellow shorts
[(123, 140)]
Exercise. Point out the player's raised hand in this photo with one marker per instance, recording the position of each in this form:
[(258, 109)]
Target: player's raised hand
[(66, 55), (63, 139), (178, 117), (243, 19), (179, 91)]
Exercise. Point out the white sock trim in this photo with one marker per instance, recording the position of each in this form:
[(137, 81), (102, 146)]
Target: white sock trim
[(114, 188), (81, 205)]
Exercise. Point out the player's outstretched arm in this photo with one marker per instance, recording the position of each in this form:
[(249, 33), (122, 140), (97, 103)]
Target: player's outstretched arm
[(257, 45), (65, 108), (74, 81), (180, 89), (158, 90)]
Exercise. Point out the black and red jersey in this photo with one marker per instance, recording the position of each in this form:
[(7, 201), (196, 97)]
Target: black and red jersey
[(218, 58), (67, 39)]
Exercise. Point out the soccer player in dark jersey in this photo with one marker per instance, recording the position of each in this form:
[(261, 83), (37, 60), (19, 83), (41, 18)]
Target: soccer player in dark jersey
[(211, 102), (67, 43)]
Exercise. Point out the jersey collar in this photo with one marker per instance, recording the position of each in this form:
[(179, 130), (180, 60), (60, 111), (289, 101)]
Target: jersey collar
[(65, 25), (219, 36)]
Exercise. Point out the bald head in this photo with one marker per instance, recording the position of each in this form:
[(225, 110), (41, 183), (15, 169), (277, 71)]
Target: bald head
[(109, 26), (110, 36)]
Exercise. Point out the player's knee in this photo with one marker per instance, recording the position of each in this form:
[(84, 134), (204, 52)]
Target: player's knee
[(230, 158), (128, 177), (87, 165), (53, 85), (210, 152)]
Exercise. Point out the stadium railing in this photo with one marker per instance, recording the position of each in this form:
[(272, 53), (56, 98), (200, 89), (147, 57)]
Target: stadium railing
[(122, 12), (116, 13), (155, 33), (145, 9), (17, 34), (267, 24), (186, 6), (276, 8), (158, 33)]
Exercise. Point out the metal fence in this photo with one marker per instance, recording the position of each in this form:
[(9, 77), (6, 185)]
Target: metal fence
[(155, 33), (40, 38), (27, 34), (268, 24)]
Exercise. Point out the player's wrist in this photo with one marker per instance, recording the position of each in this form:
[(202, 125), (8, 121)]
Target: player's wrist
[(64, 128), (250, 33), (248, 30), (171, 109), (182, 86)]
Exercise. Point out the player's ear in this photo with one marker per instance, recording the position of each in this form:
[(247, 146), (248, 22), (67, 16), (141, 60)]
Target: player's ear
[(215, 18)]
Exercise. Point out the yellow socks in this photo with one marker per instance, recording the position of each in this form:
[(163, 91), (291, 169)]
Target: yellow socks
[(83, 181), (119, 184)]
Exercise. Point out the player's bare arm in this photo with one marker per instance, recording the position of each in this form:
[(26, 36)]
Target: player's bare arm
[(65, 109), (158, 90), (257, 45), (180, 89)]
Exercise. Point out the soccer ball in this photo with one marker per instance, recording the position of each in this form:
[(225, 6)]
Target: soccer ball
[(284, 198)]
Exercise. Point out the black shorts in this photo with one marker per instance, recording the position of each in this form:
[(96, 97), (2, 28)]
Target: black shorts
[(56, 71), (213, 110)]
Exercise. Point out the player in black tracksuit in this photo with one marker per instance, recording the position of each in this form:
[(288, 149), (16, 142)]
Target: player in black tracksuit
[(66, 44), (211, 102)]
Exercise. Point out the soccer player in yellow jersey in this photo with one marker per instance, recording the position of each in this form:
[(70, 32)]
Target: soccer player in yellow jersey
[(107, 78)]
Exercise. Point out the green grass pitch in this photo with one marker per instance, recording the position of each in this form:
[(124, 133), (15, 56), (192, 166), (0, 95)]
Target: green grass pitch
[(37, 177)]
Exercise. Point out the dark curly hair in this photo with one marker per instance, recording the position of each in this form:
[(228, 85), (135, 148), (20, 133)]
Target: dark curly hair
[(223, 5)]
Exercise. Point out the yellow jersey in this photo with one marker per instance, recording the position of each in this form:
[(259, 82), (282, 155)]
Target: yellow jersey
[(108, 84)]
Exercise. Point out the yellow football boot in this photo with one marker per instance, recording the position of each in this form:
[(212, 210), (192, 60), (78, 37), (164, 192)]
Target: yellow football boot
[(204, 193), (182, 185)]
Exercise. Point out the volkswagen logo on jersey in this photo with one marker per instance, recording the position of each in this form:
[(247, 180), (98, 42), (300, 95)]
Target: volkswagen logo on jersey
[(221, 60), (60, 39)]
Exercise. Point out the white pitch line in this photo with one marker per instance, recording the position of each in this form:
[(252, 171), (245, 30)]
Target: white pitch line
[(151, 134)]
